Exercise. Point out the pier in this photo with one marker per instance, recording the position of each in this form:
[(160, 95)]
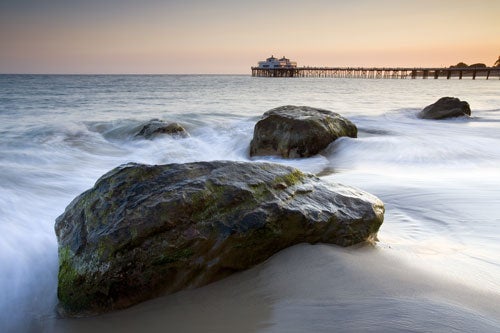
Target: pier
[(379, 73)]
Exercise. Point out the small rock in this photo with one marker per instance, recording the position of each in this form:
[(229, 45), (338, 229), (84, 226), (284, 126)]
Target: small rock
[(298, 131), (445, 107), (156, 127)]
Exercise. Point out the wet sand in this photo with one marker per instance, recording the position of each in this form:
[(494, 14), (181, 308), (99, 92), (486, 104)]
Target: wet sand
[(359, 288)]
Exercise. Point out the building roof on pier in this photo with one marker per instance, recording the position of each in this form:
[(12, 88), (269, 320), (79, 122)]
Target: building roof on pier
[(273, 62)]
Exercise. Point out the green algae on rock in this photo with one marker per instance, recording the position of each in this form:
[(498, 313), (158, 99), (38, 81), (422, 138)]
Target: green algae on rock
[(144, 230)]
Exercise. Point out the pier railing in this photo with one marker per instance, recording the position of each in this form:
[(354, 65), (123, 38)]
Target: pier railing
[(379, 72)]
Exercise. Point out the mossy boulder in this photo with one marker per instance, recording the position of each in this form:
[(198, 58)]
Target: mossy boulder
[(156, 127), (446, 107), (298, 131), (144, 230)]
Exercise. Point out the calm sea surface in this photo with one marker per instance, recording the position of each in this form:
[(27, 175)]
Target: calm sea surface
[(437, 264)]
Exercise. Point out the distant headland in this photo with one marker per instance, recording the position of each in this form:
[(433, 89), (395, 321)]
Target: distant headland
[(284, 67)]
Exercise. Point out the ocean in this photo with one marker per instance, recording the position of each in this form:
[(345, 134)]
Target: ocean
[(435, 268)]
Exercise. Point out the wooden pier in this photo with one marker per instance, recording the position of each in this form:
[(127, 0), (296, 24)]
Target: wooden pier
[(379, 73)]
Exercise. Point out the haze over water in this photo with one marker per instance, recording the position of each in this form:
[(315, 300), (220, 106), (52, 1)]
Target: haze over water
[(436, 265)]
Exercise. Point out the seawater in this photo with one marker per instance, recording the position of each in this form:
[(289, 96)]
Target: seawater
[(435, 268)]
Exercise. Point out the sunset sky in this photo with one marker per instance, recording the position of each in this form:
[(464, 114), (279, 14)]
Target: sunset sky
[(222, 36)]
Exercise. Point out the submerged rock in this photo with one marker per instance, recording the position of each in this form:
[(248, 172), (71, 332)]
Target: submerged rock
[(445, 107), (146, 230), (156, 127), (298, 131)]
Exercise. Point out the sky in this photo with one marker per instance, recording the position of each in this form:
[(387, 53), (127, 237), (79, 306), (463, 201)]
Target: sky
[(228, 37)]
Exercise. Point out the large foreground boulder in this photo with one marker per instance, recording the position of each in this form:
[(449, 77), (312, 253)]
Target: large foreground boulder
[(298, 131), (157, 127), (146, 230), (445, 107)]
